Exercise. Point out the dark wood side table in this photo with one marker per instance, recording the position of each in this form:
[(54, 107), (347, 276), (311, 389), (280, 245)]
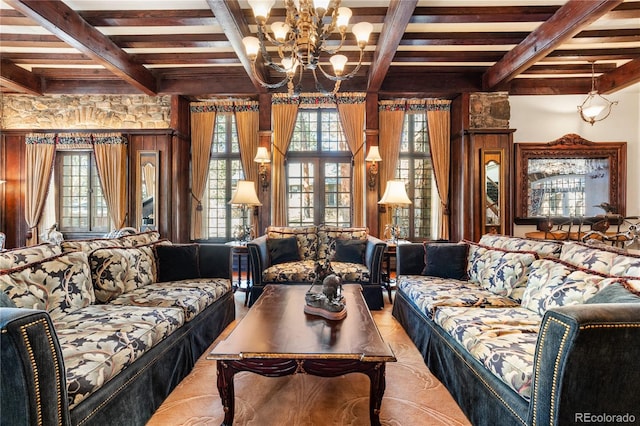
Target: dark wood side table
[(389, 253), (241, 251)]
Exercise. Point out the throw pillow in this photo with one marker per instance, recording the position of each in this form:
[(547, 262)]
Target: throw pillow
[(350, 251), (615, 293), (177, 262), (446, 260), (282, 250)]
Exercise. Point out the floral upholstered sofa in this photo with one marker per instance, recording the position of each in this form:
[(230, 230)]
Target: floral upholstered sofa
[(526, 332), (290, 255), (99, 332)]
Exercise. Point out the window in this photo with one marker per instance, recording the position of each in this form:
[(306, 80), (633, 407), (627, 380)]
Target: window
[(80, 204), (319, 171), (416, 170), (560, 195), (225, 169)]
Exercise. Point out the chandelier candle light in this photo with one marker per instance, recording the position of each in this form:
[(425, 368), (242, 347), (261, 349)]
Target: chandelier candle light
[(302, 38), (245, 196), (395, 196)]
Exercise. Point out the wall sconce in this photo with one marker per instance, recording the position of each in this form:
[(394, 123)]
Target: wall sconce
[(373, 157), (262, 157)]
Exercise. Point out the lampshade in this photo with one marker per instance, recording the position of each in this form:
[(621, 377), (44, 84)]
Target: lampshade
[(262, 155), (395, 194), (374, 154), (245, 194)]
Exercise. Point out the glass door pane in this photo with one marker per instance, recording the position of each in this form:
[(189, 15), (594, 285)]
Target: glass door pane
[(300, 190), (337, 194)]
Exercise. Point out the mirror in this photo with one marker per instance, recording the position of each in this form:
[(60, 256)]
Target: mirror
[(570, 177), (147, 191), (493, 178)]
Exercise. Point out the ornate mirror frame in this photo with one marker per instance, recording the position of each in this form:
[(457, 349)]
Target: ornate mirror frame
[(570, 146), (492, 169)]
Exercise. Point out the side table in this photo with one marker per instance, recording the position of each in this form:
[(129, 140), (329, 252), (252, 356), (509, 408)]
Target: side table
[(389, 253), (241, 251)]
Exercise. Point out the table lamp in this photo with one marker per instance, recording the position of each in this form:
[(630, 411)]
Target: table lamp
[(395, 196), (245, 196)]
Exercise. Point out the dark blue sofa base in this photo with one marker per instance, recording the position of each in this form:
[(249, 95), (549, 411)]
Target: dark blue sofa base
[(483, 398), (372, 294)]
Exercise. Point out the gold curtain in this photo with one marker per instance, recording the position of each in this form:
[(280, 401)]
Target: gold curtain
[(203, 118), (438, 119), (351, 109), (248, 122), (111, 159), (39, 155), (391, 117), (285, 112)]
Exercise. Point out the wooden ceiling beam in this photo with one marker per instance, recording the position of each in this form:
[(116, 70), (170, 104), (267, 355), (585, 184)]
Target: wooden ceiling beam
[(568, 21), (621, 77), (431, 15), (398, 16), (68, 25), (230, 17), (19, 79)]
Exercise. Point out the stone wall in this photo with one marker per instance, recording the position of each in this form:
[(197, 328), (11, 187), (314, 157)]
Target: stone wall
[(489, 110), (85, 112)]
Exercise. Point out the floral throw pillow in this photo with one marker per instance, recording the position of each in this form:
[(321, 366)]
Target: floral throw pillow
[(120, 270), (58, 284), (499, 271)]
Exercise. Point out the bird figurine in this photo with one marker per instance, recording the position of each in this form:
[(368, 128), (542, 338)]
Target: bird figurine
[(608, 208)]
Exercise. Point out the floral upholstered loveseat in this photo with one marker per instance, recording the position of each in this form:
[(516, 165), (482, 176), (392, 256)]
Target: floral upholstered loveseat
[(99, 332), (526, 332), (290, 255)]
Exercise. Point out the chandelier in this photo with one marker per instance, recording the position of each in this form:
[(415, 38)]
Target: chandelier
[(595, 107), (301, 40)]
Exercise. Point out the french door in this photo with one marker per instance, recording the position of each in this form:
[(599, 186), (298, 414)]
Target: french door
[(319, 190)]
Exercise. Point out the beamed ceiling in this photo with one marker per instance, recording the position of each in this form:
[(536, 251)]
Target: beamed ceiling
[(418, 47)]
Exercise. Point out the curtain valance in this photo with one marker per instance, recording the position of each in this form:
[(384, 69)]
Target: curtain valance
[(224, 106), (75, 140)]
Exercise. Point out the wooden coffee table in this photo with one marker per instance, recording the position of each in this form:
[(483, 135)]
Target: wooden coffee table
[(276, 338)]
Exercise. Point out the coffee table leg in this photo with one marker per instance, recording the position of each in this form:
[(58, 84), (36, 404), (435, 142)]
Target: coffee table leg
[(377, 387), (226, 390)]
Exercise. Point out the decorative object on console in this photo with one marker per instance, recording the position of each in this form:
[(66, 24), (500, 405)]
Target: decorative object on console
[(301, 39), (395, 196), (245, 196), (262, 157), (595, 107), (373, 157), (52, 235)]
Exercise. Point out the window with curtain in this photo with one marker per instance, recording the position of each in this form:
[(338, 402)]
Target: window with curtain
[(416, 170), (81, 207), (319, 171), (225, 170)]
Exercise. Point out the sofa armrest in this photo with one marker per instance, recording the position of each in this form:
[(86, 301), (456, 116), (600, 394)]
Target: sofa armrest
[(409, 259), (586, 364), (373, 255), (33, 386), (215, 261), (258, 258)]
